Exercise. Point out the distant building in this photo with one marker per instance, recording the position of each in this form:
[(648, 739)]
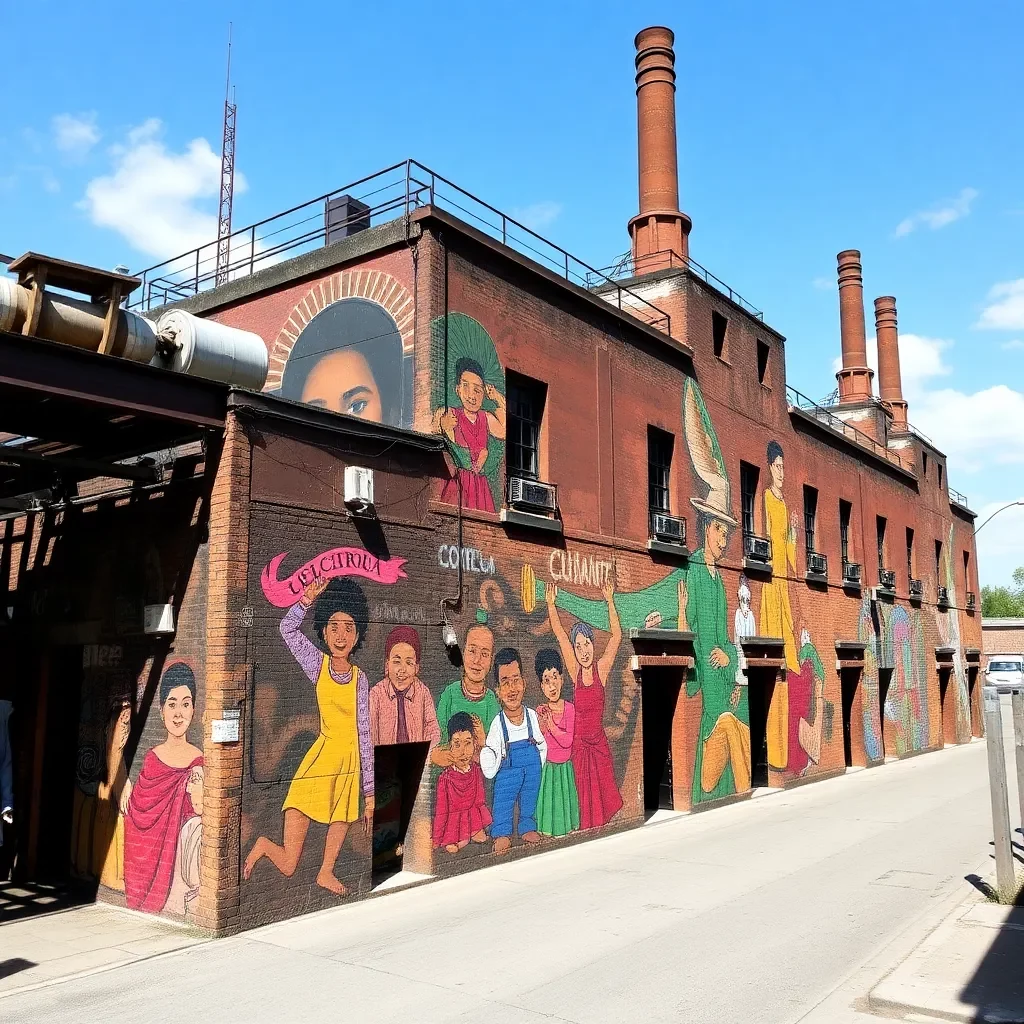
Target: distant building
[(1003, 636)]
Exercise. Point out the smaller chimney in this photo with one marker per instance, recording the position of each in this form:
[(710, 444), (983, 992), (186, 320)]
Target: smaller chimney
[(855, 376), (660, 228), (890, 388)]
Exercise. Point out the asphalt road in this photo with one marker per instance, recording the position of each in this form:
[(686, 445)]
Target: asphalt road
[(759, 912)]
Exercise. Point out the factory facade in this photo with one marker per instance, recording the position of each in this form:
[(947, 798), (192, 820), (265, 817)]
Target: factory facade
[(498, 560)]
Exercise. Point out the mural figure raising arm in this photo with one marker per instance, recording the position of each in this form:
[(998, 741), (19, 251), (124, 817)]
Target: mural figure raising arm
[(326, 786)]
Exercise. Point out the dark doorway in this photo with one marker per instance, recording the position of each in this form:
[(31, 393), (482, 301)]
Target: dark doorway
[(760, 688), (659, 689), (945, 703), (51, 816), (972, 700), (398, 770), (884, 681), (849, 680)]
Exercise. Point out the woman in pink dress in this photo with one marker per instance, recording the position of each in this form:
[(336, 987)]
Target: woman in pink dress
[(460, 811), (469, 428), (592, 761)]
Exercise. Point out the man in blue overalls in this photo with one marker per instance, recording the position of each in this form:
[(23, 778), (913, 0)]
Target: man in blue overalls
[(514, 754)]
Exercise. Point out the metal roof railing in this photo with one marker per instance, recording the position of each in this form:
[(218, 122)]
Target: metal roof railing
[(387, 195), (958, 498), (626, 266), (840, 426)]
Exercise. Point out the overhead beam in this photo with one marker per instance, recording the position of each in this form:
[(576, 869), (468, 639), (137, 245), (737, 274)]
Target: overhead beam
[(83, 468)]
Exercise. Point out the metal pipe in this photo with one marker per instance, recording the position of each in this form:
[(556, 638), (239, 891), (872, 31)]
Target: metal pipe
[(1005, 878)]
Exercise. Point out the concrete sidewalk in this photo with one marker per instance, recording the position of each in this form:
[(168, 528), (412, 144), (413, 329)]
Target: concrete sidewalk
[(970, 968), (81, 941)]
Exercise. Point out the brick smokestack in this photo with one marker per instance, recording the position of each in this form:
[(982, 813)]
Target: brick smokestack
[(855, 376), (890, 388), (660, 228)]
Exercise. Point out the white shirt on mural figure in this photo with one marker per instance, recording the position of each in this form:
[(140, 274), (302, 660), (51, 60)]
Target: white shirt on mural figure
[(744, 625), (493, 753)]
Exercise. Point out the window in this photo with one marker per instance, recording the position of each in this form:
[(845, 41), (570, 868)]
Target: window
[(718, 325), (880, 525), (525, 412), (967, 572), (910, 553), (762, 361), (659, 466), (925, 464), (938, 562), (845, 511), (810, 516), (939, 466), (748, 495)]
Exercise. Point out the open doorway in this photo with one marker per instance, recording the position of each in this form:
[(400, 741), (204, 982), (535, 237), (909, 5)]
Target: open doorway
[(659, 689), (849, 682), (946, 706), (398, 771), (760, 689), (973, 700), (884, 682)]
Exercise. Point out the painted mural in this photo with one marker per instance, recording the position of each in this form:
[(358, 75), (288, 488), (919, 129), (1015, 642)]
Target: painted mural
[(948, 622), (347, 347), (142, 837), (469, 410)]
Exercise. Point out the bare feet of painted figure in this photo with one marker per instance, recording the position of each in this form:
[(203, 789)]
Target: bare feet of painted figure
[(480, 837), (502, 845), (531, 837)]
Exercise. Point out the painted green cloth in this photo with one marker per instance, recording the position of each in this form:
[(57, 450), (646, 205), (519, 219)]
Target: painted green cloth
[(558, 805), (707, 616), (633, 607), (453, 700)]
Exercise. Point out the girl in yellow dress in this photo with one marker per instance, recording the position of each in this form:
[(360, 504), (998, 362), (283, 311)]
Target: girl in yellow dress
[(327, 784), (776, 614)]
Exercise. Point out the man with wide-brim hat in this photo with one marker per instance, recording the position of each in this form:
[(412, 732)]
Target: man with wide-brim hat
[(722, 761)]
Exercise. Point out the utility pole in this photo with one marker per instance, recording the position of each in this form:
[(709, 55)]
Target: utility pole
[(1005, 876), (227, 178)]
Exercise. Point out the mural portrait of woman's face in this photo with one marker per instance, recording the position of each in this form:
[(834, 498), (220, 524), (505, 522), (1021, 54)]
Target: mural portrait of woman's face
[(348, 359), (177, 711)]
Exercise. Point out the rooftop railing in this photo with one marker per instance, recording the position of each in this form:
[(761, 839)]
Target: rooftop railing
[(387, 195), (626, 266), (840, 426), (958, 498)]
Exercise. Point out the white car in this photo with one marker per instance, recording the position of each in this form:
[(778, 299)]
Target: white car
[(1005, 672)]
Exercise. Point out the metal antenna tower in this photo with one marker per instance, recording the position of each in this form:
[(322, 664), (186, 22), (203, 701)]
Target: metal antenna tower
[(227, 178)]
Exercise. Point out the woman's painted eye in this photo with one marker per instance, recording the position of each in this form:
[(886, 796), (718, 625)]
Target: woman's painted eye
[(358, 407)]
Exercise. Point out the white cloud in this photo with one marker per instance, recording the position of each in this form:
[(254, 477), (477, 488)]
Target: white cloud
[(160, 201), (75, 134), (538, 216), (921, 359), (1015, 345), (945, 212), (824, 284), (1005, 311)]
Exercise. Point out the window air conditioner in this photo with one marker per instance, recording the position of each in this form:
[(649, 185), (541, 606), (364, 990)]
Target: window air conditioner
[(943, 596), (851, 572), (358, 488), (916, 588), (531, 494), (670, 529), (757, 549), (887, 579), (817, 563)]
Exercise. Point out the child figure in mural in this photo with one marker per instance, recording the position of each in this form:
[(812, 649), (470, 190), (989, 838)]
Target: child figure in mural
[(163, 809), (744, 626), (514, 754), (401, 708), (460, 811), (808, 708), (469, 428), (599, 796), (326, 786), (470, 693), (558, 805), (776, 614)]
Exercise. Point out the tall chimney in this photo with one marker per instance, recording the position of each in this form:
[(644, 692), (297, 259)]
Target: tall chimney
[(855, 376), (890, 388), (660, 228)]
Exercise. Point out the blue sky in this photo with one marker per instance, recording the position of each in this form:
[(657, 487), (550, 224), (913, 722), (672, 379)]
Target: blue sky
[(804, 128)]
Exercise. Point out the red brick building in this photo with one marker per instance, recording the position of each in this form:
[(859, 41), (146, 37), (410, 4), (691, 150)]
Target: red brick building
[(624, 565)]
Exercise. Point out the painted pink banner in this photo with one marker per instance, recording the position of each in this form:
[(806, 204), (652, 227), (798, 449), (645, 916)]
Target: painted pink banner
[(336, 562)]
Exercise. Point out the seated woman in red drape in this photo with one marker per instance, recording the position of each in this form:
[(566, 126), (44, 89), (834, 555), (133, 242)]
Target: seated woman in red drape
[(162, 808)]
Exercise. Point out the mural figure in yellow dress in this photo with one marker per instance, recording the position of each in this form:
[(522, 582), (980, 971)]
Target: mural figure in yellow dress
[(326, 786), (776, 614)]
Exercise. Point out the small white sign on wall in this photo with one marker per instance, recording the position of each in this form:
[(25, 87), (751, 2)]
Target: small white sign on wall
[(225, 730)]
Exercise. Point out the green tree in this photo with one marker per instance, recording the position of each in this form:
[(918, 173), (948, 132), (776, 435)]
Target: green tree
[(1004, 602)]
